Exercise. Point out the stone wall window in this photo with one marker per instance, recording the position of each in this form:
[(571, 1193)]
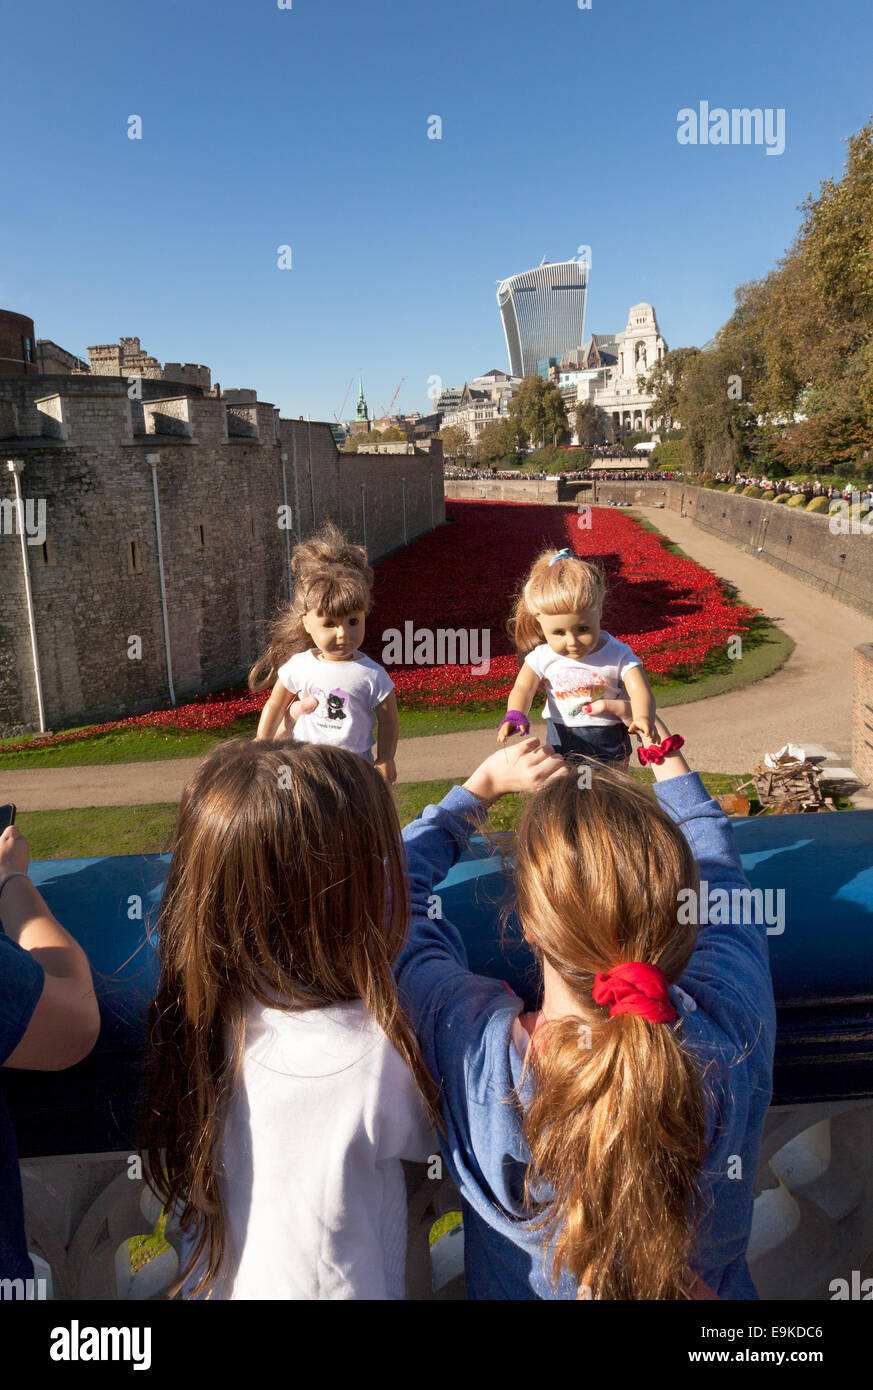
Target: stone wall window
[(45, 553), (252, 527), (200, 535), (28, 349), (134, 555)]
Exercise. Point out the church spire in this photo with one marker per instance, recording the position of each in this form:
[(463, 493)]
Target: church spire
[(363, 413)]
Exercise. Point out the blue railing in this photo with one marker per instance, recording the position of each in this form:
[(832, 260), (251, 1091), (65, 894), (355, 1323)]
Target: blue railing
[(822, 966)]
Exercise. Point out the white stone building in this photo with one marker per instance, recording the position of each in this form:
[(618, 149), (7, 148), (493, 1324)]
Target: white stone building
[(606, 371)]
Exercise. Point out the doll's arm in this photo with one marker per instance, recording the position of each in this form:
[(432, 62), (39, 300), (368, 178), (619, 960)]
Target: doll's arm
[(274, 711), (520, 698), (388, 734), (642, 702)]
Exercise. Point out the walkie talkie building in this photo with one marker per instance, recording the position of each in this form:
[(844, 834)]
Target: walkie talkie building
[(543, 313)]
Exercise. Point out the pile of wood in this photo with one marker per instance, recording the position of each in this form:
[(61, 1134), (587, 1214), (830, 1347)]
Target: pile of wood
[(790, 786)]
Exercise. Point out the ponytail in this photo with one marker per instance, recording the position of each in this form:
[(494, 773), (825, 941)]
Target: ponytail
[(616, 1126)]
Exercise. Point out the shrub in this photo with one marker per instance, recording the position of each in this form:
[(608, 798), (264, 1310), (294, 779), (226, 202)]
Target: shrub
[(782, 497), (734, 487), (752, 492), (819, 504), (797, 499)]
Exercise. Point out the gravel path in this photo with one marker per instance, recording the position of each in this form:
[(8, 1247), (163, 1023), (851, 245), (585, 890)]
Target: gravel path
[(807, 702)]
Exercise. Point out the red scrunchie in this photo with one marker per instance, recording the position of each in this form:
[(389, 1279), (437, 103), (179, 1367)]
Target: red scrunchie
[(657, 752), (635, 988)]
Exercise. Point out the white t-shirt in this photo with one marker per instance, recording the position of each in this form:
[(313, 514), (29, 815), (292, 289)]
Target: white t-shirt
[(310, 1159), (347, 693), (571, 684)]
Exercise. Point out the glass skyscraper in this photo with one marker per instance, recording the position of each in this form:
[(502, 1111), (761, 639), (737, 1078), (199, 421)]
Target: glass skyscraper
[(543, 313)]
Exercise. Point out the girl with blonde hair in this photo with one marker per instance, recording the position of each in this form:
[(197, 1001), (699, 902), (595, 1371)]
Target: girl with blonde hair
[(556, 626), (605, 1145), (285, 1083)]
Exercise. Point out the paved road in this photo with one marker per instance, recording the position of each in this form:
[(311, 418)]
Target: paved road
[(807, 702)]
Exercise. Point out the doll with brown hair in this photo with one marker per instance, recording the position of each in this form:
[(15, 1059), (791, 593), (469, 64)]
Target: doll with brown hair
[(586, 672), (314, 658)]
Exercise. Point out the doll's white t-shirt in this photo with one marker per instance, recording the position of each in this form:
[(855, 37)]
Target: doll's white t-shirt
[(347, 693), (570, 684)]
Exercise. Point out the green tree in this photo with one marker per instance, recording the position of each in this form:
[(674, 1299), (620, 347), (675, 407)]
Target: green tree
[(664, 382), (456, 442), (589, 423), (495, 441), (537, 412)]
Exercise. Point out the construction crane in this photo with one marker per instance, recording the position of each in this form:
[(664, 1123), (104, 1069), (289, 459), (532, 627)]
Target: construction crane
[(387, 412), (339, 417)]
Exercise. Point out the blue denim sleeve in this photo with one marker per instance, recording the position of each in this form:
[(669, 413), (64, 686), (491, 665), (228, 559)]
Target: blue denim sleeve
[(21, 982)]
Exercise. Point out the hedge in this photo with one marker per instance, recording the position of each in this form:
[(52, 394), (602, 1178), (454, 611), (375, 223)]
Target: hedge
[(783, 497), (797, 500), (752, 492), (819, 504)]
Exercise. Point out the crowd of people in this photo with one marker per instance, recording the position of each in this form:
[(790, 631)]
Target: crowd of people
[(572, 476), (803, 487)]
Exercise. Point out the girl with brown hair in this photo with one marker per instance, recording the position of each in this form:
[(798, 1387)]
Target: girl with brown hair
[(605, 1146), (285, 1082), (314, 659)]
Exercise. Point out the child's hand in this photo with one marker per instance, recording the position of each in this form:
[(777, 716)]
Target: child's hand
[(620, 707), (525, 767), (388, 770)]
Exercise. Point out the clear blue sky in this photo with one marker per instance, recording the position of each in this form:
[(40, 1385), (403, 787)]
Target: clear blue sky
[(308, 127)]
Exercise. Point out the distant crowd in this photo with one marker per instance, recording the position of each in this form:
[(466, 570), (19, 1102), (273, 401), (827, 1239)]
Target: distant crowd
[(804, 488), (578, 475)]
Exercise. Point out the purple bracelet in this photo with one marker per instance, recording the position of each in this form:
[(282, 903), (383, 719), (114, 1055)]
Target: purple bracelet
[(515, 717)]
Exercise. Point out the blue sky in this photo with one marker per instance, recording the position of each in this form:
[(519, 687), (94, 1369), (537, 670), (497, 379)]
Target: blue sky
[(308, 127)]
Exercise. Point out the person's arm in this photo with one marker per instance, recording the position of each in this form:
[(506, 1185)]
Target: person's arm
[(274, 711), (387, 736), (521, 698), (64, 1026), (642, 702), (432, 973)]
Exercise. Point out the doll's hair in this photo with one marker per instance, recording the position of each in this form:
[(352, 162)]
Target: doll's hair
[(332, 578), (565, 586)]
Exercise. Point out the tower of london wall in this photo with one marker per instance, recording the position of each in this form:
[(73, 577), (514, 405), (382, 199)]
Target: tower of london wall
[(223, 471)]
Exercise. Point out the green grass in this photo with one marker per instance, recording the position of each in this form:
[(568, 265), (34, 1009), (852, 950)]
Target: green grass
[(765, 649), (95, 831)]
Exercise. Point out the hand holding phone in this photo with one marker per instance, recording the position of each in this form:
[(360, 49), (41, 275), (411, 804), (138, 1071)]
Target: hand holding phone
[(7, 817)]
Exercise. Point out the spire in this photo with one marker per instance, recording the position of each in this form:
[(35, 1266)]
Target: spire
[(362, 404)]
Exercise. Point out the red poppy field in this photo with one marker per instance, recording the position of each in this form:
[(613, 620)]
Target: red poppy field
[(674, 614)]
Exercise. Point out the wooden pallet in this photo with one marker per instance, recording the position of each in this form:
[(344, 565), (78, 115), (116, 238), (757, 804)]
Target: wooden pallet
[(791, 788)]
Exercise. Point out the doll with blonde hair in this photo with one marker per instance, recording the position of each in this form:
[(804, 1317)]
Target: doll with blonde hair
[(586, 672), (314, 657)]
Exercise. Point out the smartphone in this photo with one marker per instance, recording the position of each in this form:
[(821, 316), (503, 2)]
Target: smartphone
[(7, 817)]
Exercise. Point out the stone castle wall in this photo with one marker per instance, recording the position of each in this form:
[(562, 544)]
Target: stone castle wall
[(96, 580)]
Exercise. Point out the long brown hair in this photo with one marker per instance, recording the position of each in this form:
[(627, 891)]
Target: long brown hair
[(553, 586), (288, 886), (615, 1129), (332, 577)]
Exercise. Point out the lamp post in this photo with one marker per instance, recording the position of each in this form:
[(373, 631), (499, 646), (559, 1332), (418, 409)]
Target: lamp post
[(16, 467)]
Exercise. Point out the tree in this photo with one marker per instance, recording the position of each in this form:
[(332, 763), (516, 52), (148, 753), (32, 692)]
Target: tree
[(664, 382), (537, 412), (589, 423), (456, 442), (495, 441)]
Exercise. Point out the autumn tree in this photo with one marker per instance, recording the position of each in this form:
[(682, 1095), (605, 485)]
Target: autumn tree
[(537, 412)]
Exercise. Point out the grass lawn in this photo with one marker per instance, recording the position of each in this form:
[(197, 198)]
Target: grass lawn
[(106, 830)]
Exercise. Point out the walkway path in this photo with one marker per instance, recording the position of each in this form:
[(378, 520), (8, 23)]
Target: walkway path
[(808, 702)]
